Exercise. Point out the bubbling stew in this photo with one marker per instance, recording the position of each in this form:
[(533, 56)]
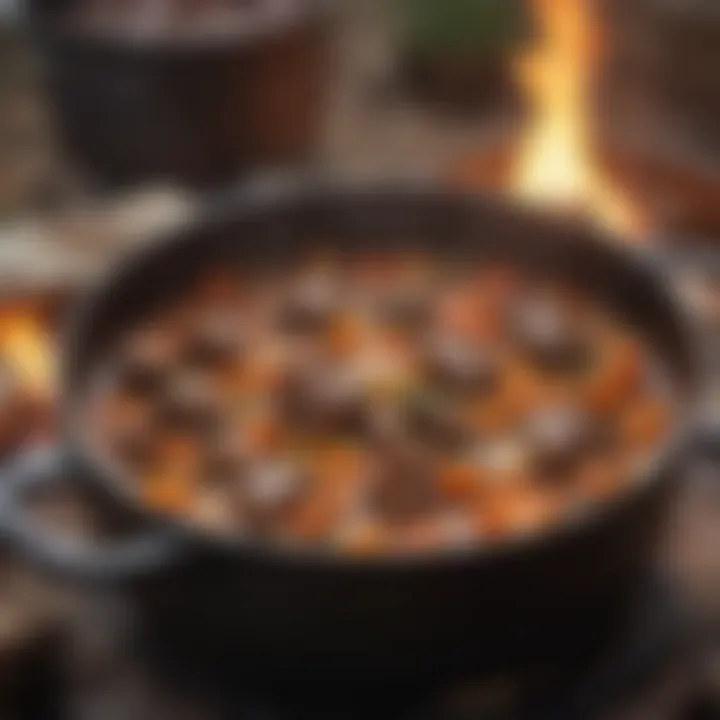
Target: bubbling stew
[(380, 404)]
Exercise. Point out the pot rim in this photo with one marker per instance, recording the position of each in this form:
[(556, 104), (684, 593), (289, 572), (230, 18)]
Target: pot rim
[(264, 196), (261, 29)]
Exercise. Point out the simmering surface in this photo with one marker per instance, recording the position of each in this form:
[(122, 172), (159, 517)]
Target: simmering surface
[(391, 403)]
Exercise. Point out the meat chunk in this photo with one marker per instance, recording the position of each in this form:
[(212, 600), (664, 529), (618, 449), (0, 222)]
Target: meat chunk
[(146, 359), (216, 339), (132, 431), (330, 401), (270, 492), (461, 366), (311, 305), (405, 308), (438, 420), (190, 402), (405, 484), (550, 335), (227, 455), (559, 437)]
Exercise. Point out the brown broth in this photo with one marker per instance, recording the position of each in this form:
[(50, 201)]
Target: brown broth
[(387, 405)]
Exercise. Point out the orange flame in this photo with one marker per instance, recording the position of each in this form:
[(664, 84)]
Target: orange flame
[(556, 165), (25, 344)]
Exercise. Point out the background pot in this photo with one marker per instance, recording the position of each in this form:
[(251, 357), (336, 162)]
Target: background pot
[(217, 602), (199, 112)]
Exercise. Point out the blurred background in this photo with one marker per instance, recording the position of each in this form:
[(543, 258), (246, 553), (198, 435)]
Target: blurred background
[(119, 118)]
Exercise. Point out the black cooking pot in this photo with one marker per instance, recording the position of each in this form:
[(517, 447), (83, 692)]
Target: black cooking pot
[(537, 596), (201, 112)]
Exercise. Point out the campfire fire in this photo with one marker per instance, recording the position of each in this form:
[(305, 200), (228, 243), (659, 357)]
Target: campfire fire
[(555, 165), (26, 347), (28, 365)]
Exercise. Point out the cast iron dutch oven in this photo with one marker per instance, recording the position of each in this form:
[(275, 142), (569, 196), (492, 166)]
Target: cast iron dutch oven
[(560, 590), (199, 111)]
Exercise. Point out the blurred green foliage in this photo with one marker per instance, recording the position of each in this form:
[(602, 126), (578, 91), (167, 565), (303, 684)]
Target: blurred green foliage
[(461, 28)]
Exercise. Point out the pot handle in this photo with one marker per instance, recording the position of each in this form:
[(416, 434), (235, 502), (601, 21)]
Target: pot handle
[(129, 557)]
